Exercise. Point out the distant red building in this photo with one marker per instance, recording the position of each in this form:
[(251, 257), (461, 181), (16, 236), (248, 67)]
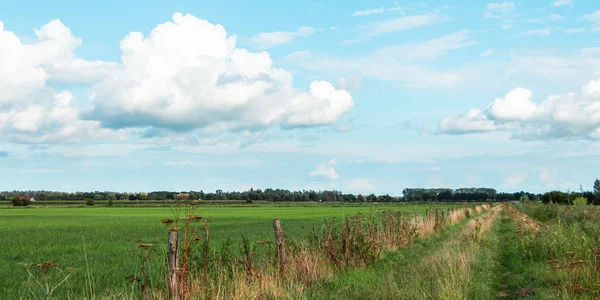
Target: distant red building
[(26, 198)]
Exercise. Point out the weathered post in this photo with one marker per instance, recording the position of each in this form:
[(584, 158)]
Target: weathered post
[(347, 240), (280, 242), (173, 261)]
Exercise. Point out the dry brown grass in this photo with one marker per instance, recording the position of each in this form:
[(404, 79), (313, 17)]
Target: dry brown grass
[(523, 221), (357, 243), (449, 269)]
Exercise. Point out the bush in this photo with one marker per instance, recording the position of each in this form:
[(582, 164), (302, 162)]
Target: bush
[(89, 202), (20, 202), (110, 203), (580, 201)]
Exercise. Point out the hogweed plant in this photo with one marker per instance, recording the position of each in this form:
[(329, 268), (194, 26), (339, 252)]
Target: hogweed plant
[(184, 222), (44, 280)]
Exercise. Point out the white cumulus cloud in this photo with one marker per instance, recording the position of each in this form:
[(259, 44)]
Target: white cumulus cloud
[(30, 110), (185, 75), (325, 171), (188, 74), (560, 116)]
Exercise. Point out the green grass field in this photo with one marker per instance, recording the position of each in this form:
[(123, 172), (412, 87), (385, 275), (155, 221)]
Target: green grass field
[(98, 247)]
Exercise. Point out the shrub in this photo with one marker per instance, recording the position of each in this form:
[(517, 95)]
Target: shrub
[(110, 203), (89, 202), (20, 202), (580, 201)]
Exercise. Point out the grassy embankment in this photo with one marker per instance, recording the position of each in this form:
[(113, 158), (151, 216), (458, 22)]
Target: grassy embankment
[(441, 266), (531, 251)]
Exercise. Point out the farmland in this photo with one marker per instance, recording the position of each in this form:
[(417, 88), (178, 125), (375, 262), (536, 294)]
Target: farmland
[(509, 250), (109, 238)]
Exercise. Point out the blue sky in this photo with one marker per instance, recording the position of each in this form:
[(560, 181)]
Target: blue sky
[(361, 97)]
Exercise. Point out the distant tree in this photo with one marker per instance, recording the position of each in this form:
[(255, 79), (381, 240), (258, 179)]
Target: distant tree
[(426, 197), (445, 195), (372, 198), (556, 197), (597, 192)]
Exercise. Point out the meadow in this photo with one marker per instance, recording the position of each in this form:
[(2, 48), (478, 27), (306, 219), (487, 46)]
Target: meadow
[(96, 248), (512, 250)]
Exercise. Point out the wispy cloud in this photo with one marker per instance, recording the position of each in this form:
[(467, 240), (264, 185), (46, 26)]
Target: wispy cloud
[(404, 23), (265, 40), (562, 2), (514, 180), (536, 32), (219, 164), (371, 11), (376, 11), (401, 63), (498, 10), (555, 17), (593, 17), (43, 171), (487, 52), (361, 185), (574, 30)]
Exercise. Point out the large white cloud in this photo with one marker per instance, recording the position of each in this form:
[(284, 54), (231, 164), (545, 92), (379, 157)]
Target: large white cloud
[(568, 116), (30, 111), (188, 74)]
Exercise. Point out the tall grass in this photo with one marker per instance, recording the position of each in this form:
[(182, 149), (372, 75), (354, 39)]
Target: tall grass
[(565, 248), (34, 235), (355, 242)]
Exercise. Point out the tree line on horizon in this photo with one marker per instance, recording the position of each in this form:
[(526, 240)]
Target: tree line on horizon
[(283, 195)]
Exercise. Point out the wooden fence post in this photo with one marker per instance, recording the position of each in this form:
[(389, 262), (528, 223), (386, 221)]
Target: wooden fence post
[(347, 240), (173, 261), (280, 242)]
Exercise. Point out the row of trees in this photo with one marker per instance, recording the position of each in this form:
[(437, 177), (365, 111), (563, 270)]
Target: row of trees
[(592, 197), (281, 195)]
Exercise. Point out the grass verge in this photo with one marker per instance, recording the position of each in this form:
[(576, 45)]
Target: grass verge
[(436, 267)]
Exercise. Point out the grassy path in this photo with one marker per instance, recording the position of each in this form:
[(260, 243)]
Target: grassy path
[(504, 271), (514, 273), (440, 266)]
